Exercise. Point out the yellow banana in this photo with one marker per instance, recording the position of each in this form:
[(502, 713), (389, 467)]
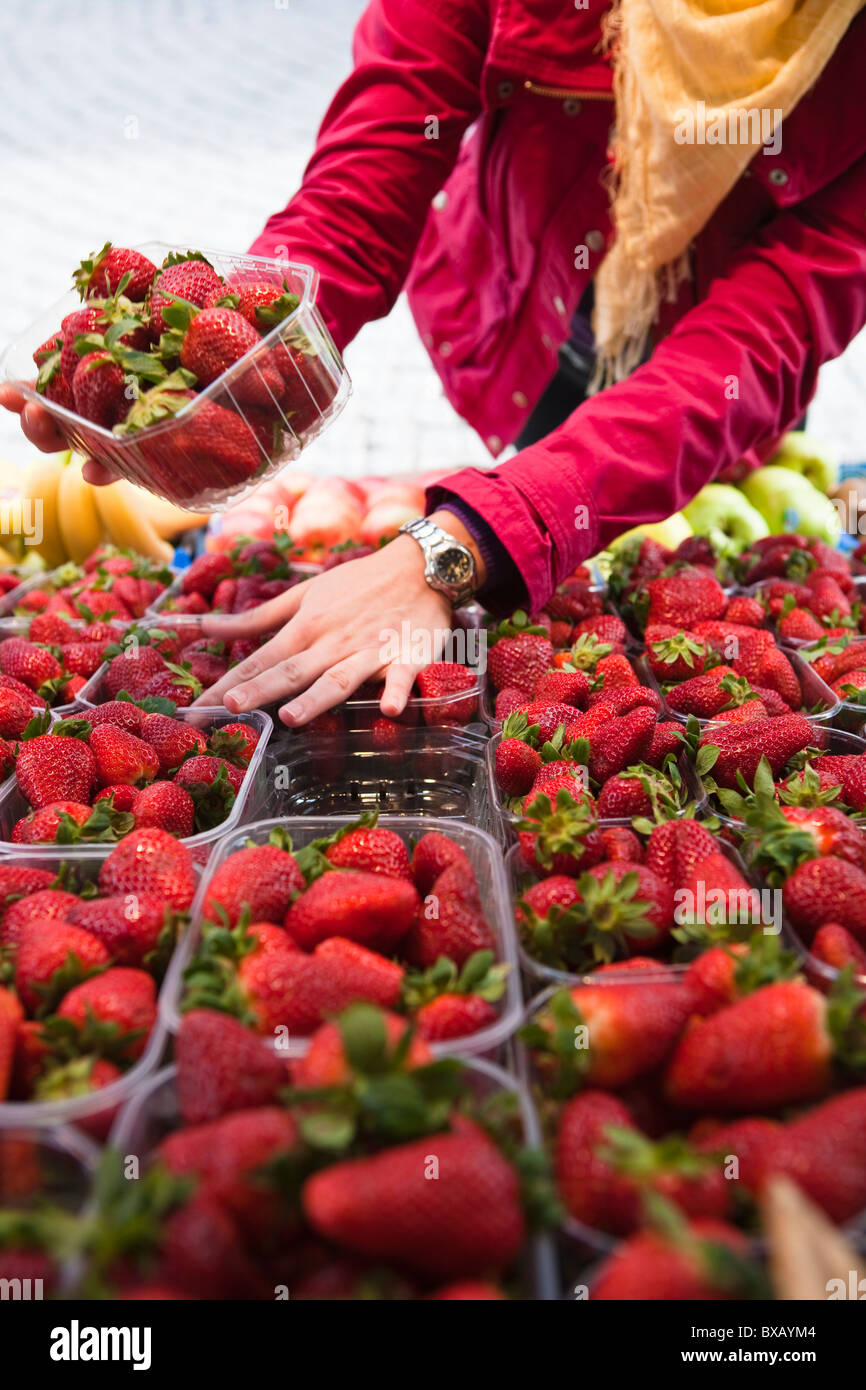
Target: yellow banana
[(126, 523), (39, 493), (80, 522), (166, 519)]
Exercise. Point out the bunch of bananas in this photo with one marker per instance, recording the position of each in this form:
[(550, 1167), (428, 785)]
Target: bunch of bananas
[(49, 514)]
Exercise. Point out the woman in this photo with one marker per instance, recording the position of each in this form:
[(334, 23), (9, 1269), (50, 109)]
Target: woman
[(723, 240)]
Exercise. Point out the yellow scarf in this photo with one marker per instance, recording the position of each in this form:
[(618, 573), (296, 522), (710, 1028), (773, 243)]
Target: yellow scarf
[(744, 61)]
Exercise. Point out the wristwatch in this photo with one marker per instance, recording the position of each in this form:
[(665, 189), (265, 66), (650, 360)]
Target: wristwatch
[(450, 566)]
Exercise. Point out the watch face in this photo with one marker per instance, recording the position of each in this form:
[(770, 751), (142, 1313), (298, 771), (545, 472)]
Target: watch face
[(454, 566)]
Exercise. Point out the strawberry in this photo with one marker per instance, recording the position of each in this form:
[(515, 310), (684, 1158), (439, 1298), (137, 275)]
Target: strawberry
[(99, 390), (34, 666), (166, 806), (707, 695), (623, 698), (51, 630), (151, 861), (327, 1063), (236, 743), (822, 1151), (519, 661), (129, 926), (81, 658), (15, 713), (18, 882), (834, 945), (621, 742), (563, 688), (68, 822), (559, 831), (450, 1016), (708, 1260), (800, 625), (675, 653), (101, 273), (372, 849), (117, 1009), (545, 716), (384, 1208), (676, 847), (742, 746), (43, 904), (210, 437), (688, 596), (620, 843), (768, 1049), (131, 671), (8, 682), (440, 683), (122, 796), (746, 610), (54, 767), (263, 879), (516, 764), (205, 573), (11, 1018), (171, 739), (371, 908), (667, 741), (222, 1067), (604, 1165), (217, 338), (451, 920), (822, 890), (775, 672), (121, 757), (627, 1028), (51, 957), (431, 855), (86, 321), (194, 280), (614, 672), (639, 791)]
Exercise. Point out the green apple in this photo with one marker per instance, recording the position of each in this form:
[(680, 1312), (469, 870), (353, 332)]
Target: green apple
[(668, 532), (810, 456), (723, 514), (788, 502)]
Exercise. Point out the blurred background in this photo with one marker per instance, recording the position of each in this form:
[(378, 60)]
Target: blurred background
[(190, 121)]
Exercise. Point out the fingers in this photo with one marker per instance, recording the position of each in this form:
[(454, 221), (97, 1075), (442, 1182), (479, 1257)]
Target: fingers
[(256, 620), (11, 399), (398, 686), (97, 474), (40, 429), (284, 677), (274, 653), (334, 686)]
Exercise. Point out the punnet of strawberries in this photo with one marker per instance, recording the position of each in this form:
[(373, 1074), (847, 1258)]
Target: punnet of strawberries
[(288, 936), (111, 585), (149, 339), (82, 952), (115, 769), (367, 1170)]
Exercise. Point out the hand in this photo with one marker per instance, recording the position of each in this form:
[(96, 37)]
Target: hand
[(338, 627), (37, 424)]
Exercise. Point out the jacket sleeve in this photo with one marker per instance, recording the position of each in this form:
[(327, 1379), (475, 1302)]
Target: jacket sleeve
[(388, 142), (734, 374)]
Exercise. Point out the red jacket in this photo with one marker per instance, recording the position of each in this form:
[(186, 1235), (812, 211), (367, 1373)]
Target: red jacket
[(778, 275)]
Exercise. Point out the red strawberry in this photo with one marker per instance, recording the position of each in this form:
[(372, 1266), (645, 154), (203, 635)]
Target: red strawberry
[(519, 661), (205, 573), (688, 596), (676, 847), (122, 997), (194, 280), (222, 1067), (171, 739), (822, 1151), (53, 767), (326, 1063), (834, 945), (450, 1016), (26, 662), (745, 609), (433, 853), (131, 671), (775, 672), (121, 713), (215, 340), (741, 746), (167, 806), (371, 908), (8, 682), (43, 904), (52, 956), (440, 683), (383, 1207), (121, 758), (122, 796), (61, 822), (129, 925), (11, 1018), (830, 889), (707, 695), (559, 832), (516, 764), (614, 672), (800, 624), (51, 629), (768, 1049), (150, 861), (234, 742), (262, 879), (90, 319), (99, 390), (372, 849), (651, 1265), (674, 653), (620, 843), (15, 713), (451, 920), (100, 275), (631, 1028), (563, 688), (620, 743), (667, 739)]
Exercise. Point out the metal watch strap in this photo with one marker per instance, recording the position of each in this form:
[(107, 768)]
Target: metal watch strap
[(432, 539)]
